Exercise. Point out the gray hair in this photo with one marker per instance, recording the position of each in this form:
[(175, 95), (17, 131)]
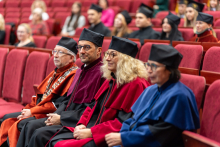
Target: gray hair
[(71, 53)]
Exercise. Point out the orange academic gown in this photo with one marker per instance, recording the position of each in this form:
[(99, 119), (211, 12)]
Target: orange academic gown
[(9, 126), (204, 37)]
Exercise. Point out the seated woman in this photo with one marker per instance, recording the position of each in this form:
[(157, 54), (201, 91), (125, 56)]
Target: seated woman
[(181, 8), (126, 80), (2, 29), (213, 5), (107, 13), (204, 31), (121, 24), (76, 20), (38, 26), (39, 4), (170, 28), (24, 36), (191, 14), (164, 110)]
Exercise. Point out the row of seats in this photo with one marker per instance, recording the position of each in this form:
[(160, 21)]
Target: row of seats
[(19, 71)]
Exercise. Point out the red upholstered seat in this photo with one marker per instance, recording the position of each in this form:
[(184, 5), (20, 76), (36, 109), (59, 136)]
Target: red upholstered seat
[(215, 14), (13, 20), (69, 3), (11, 9), (7, 34), (60, 9), (24, 20), (40, 41), (210, 117), (13, 15), (25, 15), (2, 4), (181, 23), (145, 51), (163, 14), (12, 4), (116, 9), (132, 24), (87, 3), (50, 23), (9, 107), (52, 42), (186, 33), (26, 10), (156, 22), (58, 3), (62, 17), (50, 66), (192, 55), (79, 31), (217, 23), (35, 72), (123, 4), (3, 55), (211, 60), (217, 31), (13, 75), (26, 3), (196, 84)]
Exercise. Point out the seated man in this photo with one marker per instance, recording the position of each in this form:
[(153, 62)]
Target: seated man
[(126, 80), (204, 30), (94, 17), (143, 22), (81, 93), (55, 85), (163, 110)]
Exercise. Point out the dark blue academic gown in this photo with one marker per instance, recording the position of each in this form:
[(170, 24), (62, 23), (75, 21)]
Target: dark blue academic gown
[(160, 116)]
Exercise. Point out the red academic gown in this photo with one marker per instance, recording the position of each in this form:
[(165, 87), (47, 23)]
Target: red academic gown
[(121, 98), (204, 37), (9, 126)]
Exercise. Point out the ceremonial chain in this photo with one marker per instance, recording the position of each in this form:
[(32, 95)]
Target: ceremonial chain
[(48, 92)]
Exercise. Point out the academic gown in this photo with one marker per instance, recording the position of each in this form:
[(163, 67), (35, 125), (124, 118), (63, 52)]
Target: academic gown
[(100, 28), (113, 106), (145, 33), (160, 116), (204, 37), (39, 108), (81, 94)]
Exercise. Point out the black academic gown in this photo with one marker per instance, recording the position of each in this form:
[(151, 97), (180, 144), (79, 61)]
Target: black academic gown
[(2, 37), (70, 112), (100, 28), (30, 44), (145, 33)]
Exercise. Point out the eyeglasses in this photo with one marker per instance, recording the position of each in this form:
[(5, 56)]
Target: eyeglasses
[(59, 53), (152, 66), (85, 47), (111, 55)]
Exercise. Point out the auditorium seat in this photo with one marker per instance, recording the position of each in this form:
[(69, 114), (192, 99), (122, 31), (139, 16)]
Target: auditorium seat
[(195, 140), (25, 20), (35, 72), (136, 3), (69, 3), (62, 17), (87, 3), (25, 9), (3, 55), (13, 15), (2, 4), (12, 20), (217, 23), (58, 3), (123, 4), (12, 10), (50, 23), (12, 4), (61, 9), (181, 22), (52, 42), (7, 34), (78, 31), (26, 3), (116, 9), (163, 14), (197, 85), (187, 33), (192, 55), (145, 51), (132, 24), (50, 66), (40, 41), (217, 31), (215, 14), (156, 22), (25, 15)]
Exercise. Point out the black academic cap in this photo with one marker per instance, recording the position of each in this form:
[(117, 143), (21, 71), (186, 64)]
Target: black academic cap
[(68, 43), (205, 18), (174, 18), (196, 5), (96, 7), (146, 10), (124, 46), (91, 36), (166, 55), (126, 16), (183, 2)]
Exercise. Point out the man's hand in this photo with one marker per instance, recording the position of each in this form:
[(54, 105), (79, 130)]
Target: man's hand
[(82, 134), (53, 119), (113, 139), (26, 113)]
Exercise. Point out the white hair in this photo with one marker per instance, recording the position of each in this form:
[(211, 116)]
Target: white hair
[(39, 11), (72, 53)]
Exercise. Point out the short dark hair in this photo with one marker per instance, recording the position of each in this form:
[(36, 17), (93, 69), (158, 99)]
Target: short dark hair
[(175, 74)]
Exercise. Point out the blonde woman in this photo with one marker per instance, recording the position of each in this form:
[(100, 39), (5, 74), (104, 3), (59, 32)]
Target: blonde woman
[(24, 35), (2, 29), (121, 24), (126, 80), (39, 4)]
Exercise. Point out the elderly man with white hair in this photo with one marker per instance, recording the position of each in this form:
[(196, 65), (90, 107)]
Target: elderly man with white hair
[(38, 26), (49, 95)]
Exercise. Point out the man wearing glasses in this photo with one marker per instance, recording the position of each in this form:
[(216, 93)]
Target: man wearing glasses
[(87, 81), (49, 92)]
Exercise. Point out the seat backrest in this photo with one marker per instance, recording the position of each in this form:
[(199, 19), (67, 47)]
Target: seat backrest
[(14, 73), (40, 41), (217, 31), (35, 72), (7, 34), (52, 42), (156, 21), (196, 84), (50, 66), (211, 60), (145, 51), (50, 23), (3, 55), (163, 14), (217, 23), (61, 16), (124, 4), (132, 24), (215, 14), (192, 55), (79, 31), (58, 3), (210, 117), (187, 34)]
